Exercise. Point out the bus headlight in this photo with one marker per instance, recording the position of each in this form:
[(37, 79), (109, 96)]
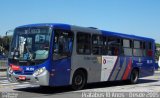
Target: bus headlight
[(39, 71)]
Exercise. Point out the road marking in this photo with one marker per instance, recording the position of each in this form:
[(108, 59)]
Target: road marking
[(24, 85), (8, 83), (3, 77), (4, 83), (14, 85)]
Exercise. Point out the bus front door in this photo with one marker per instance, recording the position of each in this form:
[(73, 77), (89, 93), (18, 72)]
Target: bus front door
[(61, 71), (62, 51)]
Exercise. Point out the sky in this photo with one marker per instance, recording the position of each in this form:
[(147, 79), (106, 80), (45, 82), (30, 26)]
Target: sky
[(135, 17)]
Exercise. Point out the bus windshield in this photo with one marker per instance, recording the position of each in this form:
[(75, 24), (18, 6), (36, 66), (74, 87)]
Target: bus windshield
[(30, 43)]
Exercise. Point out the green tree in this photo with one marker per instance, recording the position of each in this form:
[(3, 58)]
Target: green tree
[(157, 52), (4, 44), (157, 45)]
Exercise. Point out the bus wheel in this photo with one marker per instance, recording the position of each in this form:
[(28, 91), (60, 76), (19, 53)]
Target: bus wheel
[(134, 76), (78, 80)]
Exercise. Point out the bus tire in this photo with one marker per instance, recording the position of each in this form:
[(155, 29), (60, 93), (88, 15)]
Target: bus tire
[(79, 80), (134, 76)]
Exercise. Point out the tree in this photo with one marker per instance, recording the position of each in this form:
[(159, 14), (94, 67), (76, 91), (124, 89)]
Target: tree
[(157, 45), (4, 44), (158, 51)]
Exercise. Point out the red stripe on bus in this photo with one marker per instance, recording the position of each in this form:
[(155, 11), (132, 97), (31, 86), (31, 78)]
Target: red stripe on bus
[(127, 71)]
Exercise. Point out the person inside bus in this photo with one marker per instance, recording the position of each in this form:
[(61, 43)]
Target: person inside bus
[(64, 46), (113, 50), (116, 51)]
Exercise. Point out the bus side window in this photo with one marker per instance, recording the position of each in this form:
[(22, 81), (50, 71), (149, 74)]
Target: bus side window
[(127, 47), (63, 43), (144, 48), (114, 46), (83, 43), (98, 45), (138, 48)]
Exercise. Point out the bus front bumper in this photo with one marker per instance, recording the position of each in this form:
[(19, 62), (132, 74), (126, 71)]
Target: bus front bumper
[(42, 79)]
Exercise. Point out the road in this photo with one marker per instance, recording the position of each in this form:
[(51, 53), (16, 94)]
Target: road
[(26, 90)]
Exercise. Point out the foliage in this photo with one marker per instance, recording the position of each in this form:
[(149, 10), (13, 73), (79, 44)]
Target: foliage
[(158, 51), (4, 44), (157, 45)]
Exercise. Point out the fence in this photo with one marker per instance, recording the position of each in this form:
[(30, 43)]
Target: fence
[(3, 64)]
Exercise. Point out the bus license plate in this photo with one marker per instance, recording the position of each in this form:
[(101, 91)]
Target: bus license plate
[(22, 78)]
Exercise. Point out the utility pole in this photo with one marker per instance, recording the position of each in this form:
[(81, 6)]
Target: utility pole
[(8, 31)]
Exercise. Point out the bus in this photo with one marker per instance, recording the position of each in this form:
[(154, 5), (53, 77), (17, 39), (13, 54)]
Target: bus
[(54, 54)]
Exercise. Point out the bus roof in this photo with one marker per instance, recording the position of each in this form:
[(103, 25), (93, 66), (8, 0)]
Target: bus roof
[(104, 32)]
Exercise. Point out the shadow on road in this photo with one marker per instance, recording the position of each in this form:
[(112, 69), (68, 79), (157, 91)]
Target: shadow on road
[(55, 90)]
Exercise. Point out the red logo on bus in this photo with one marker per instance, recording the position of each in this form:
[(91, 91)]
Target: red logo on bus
[(104, 61)]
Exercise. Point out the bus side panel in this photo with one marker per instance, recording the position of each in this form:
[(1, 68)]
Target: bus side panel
[(122, 69), (91, 64), (60, 74), (148, 66), (145, 66), (124, 66)]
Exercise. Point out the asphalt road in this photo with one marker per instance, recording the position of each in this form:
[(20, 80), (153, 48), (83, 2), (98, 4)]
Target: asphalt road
[(26, 90)]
